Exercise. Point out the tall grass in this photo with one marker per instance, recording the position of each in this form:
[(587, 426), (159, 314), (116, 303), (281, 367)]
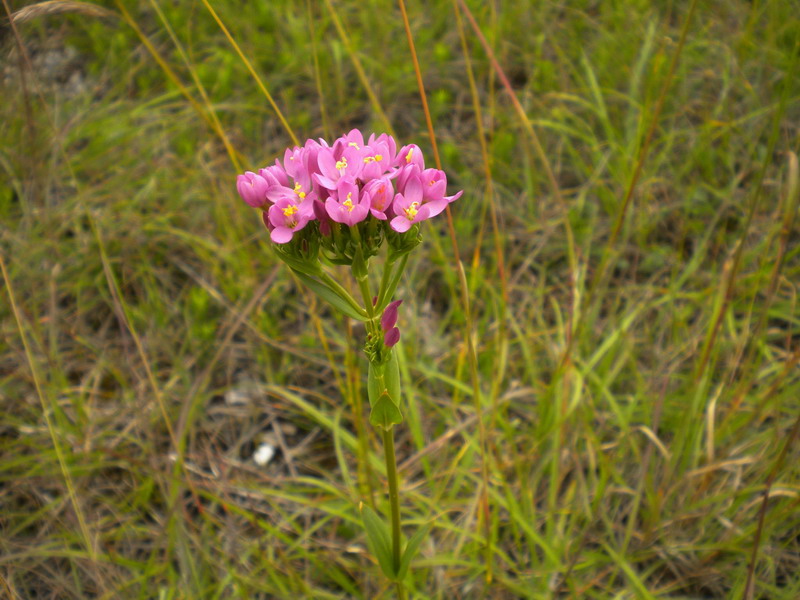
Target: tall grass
[(628, 237)]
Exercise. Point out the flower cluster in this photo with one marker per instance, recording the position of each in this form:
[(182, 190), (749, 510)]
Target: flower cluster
[(346, 183)]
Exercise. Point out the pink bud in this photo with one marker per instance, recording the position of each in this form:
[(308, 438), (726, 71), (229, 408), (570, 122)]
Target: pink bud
[(391, 337), (252, 188), (389, 318)]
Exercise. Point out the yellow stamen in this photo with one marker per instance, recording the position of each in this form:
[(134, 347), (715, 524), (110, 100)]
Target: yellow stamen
[(349, 202), (354, 145), (412, 211), (379, 157), (289, 211), (341, 164), (369, 159), (299, 190), (408, 156)]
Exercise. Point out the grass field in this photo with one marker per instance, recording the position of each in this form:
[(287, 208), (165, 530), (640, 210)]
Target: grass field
[(629, 237)]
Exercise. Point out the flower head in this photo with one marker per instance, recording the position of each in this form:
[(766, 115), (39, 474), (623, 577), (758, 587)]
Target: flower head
[(348, 182)]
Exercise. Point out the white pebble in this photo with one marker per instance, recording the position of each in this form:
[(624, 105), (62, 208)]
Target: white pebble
[(263, 454)]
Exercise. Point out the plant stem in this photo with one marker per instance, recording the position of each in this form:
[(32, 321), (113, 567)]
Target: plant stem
[(394, 501)]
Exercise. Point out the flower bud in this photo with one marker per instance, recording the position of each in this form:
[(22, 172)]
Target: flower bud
[(391, 337), (389, 318), (252, 188)]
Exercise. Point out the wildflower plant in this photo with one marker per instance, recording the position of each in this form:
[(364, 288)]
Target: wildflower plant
[(337, 204)]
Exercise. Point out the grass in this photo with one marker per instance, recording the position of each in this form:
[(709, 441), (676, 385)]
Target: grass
[(636, 363)]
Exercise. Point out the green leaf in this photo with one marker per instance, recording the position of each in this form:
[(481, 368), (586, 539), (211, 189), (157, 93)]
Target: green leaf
[(391, 379), (384, 378), (330, 296), (298, 265), (385, 413), (411, 550), (378, 539)]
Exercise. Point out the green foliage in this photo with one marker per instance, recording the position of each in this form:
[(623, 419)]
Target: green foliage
[(380, 543), (633, 415)]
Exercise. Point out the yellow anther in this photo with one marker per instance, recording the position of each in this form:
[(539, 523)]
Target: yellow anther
[(299, 191), (349, 202), (412, 211), (408, 156), (289, 211), (354, 145), (369, 159), (341, 164), (379, 157)]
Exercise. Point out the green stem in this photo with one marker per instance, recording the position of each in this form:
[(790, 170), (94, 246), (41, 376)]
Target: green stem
[(394, 501), (388, 292), (385, 277), (360, 270)]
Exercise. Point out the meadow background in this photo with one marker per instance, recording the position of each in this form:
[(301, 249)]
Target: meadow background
[(629, 237)]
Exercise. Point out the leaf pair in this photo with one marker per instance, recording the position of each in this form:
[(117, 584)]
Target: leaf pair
[(380, 545)]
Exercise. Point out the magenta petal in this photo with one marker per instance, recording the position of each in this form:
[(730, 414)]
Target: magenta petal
[(454, 197), (401, 224), (319, 211), (325, 182), (435, 191), (281, 235), (334, 210), (434, 208), (391, 337), (358, 214), (327, 164), (423, 213), (413, 189)]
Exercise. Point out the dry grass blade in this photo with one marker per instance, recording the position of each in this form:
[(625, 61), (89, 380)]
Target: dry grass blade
[(252, 71), (59, 7)]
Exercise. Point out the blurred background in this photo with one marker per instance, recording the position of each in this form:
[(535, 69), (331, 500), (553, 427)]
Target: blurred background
[(179, 419)]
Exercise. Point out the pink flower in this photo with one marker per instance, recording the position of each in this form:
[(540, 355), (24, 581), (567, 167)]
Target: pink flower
[(377, 160), (434, 183), (252, 188), (274, 175), (343, 160), (410, 155), (287, 216), (380, 194), (409, 207), (386, 140), (347, 208)]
